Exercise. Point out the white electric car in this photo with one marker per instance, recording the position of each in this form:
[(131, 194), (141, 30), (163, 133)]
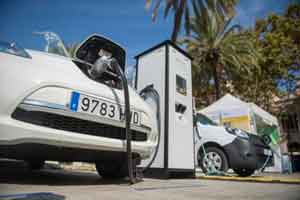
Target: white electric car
[(54, 107), (227, 147)]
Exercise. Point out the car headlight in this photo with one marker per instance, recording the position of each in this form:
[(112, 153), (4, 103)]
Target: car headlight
[(237, 132), (49, 97), (14, 49)]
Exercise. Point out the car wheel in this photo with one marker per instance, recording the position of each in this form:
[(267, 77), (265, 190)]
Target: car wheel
[(35, 164), (244, 172), (214, 157), (112, 170)]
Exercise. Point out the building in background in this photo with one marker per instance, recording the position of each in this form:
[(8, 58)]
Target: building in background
[(288, 112)]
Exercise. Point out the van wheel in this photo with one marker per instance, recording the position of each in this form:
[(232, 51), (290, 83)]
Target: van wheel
[(215, 157), (35, 164), (244, 172), (112, 170)]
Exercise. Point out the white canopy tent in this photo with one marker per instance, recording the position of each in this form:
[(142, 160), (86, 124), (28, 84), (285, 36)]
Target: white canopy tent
[(230, 106), (244, 115)]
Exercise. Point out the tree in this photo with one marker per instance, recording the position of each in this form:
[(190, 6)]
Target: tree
[(181, 9), (277, 38), (218, 48), (203, 91), (72, 48)]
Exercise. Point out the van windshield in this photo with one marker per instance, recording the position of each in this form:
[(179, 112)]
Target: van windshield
[(205, 120)]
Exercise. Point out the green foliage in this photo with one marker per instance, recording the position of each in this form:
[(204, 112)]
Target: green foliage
[(181, 10), (72, 48), (257, 64), (221, 52), (277, 38)]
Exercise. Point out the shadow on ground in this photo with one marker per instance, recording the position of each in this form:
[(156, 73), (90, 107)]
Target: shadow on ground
[(17, 172)]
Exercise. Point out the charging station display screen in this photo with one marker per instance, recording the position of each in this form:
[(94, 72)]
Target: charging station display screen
[(180, 85)]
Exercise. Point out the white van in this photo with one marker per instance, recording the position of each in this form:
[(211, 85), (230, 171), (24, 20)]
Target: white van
[(227, 147)]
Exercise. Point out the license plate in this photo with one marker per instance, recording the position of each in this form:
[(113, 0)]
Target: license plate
[(101, 108), (267, 152)]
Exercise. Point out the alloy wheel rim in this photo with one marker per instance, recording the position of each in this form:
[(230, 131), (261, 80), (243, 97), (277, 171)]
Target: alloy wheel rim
[(212, 160)]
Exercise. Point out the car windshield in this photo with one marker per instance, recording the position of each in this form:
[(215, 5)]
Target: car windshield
[(205, 120), (54, 44)]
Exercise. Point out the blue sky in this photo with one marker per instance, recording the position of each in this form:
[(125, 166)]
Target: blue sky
[(125, 21)]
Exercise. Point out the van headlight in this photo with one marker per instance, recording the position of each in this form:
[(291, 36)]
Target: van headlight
[(237, 132)]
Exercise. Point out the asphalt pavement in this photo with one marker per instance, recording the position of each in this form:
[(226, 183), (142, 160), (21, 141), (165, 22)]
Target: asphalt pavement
[(16, 178)]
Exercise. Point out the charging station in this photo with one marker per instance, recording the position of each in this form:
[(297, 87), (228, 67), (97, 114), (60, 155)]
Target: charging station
[(168, 68)]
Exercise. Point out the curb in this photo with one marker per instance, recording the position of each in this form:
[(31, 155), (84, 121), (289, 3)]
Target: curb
[(257, 179)]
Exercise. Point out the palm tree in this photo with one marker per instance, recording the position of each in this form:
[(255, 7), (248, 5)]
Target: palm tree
[(219, 47), (72, 48), (181, 8)]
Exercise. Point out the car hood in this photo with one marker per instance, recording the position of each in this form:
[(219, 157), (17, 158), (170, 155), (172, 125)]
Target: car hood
[(213, 130), (45, 69)]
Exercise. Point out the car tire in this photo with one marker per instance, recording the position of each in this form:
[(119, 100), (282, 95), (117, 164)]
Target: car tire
[(221, 161), (244, 172), (112, 170), (35, 164)]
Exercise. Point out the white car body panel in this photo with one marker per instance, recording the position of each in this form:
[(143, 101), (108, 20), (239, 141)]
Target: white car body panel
[(211, 134), (216, 134)]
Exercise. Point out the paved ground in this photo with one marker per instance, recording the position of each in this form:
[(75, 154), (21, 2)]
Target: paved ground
[(15, 178)]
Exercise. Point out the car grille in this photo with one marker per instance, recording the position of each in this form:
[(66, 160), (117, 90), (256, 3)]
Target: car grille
[(257, 141), (72, 124), (260, 146)]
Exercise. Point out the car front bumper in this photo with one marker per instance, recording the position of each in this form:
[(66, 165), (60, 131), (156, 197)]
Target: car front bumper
[(248, 154), (27, 133)]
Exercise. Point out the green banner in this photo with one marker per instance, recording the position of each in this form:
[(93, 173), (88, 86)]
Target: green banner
[(272, 132)]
